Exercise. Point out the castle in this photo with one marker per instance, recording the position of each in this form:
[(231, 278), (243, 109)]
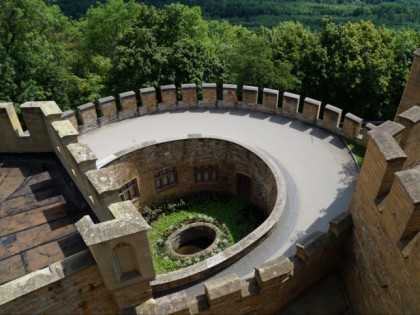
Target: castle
[(107, 267)]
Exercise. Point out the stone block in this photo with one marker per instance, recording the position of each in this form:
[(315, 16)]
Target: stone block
[(341, 225), (310, 245), (65, 131), (128, 103), (108, 109), (368, 127), (352, 126), (87, 115), (70, 116), (148, 100), (311, 109), (222, 290), (270, 99), (290, 104), (332, 117), (273, 272), (168, 94), (209, 95), (249, 97), (230, 96), (189, 94), (83, 156)]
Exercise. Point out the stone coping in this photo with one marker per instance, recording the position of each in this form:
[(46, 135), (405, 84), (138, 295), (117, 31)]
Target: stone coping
[(86, 106), (230, 255), (250, 88), (271, 91), (354, 118), (208, 85), (148, 90), (168, 87), (188, 86), (333, 109), (230, 86), (126, 94), (106, 99), (43, 277)]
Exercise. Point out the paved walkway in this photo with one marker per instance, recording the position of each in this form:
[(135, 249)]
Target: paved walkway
[(319, 171)]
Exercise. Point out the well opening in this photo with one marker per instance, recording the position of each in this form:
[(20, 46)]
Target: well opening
[(193, 239)]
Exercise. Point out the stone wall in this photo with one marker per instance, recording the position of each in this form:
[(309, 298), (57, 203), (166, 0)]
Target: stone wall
[(71, 286), (231, 159), (348, 125), (273, 285), (381, 269)]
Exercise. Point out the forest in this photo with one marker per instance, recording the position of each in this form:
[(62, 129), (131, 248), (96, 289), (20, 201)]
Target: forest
[(255, 13), (119, 46)]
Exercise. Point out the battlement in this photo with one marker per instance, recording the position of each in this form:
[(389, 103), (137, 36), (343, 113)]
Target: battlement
[(283, 277), (91, 116)]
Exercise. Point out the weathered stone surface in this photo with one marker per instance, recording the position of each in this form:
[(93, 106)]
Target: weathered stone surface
[(332, 116), (270, 98), (209, 93), (311, 109), (102, 180), (189, 94), (148, 99), (81, 153), (352, 125), (313, 243), (250, 95), (127, 221), (273, 272), (230, 96), (87, 115), (108, 109), (411, 95), (368, 127), (222, 290), (290, 104), (70, 116), (128, 102), (341, 224), (168, 94)]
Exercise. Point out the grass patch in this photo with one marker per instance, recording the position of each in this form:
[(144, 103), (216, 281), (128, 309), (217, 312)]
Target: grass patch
[(236, 213), (357, 150)]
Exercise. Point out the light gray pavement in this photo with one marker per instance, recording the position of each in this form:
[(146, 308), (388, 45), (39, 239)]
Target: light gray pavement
[(318, 169)]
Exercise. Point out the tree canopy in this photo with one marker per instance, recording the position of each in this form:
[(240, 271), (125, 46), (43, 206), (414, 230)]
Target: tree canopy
[(124, 45)]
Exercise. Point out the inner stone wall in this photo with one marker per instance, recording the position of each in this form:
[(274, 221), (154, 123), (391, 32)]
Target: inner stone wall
[(232, 159)]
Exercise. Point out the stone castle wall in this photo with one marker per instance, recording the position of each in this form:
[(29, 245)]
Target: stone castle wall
[(273, 285), (72, 286), (380, 270), (230, 158)]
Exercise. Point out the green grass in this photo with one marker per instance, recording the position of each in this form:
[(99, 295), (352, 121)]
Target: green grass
[(234, 213), (357, 150)]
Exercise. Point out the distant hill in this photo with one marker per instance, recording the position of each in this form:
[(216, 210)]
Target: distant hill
[(254, 13)]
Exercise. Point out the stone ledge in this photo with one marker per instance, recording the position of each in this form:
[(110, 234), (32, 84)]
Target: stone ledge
[(127, 221), (86, 106), (126, 94), (227, 288), (106, 99), (147, 90), (43, 277)]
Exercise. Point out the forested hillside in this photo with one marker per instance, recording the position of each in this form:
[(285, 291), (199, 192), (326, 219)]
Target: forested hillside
[(255, 13), (121, 46)]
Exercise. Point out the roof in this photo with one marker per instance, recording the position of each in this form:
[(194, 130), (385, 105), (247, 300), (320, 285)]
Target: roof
[(39, 205)]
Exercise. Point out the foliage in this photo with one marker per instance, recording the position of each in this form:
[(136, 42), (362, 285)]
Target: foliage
[(123, 45), (239, 217), (358, 151)]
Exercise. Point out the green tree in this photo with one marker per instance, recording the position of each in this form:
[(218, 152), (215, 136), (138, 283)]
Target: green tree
[(296, 45), (33, 57), (358, 72)]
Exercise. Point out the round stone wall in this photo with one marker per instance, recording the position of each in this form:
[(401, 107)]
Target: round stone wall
[(241, 170)]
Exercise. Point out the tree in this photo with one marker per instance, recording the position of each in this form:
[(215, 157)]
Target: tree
[(358, 74), (296, 45), (33, 57)]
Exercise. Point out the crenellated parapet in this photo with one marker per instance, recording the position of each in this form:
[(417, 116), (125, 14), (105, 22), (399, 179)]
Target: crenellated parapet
[(273, 285), (383, 250), (122, 230), (190, 95)]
